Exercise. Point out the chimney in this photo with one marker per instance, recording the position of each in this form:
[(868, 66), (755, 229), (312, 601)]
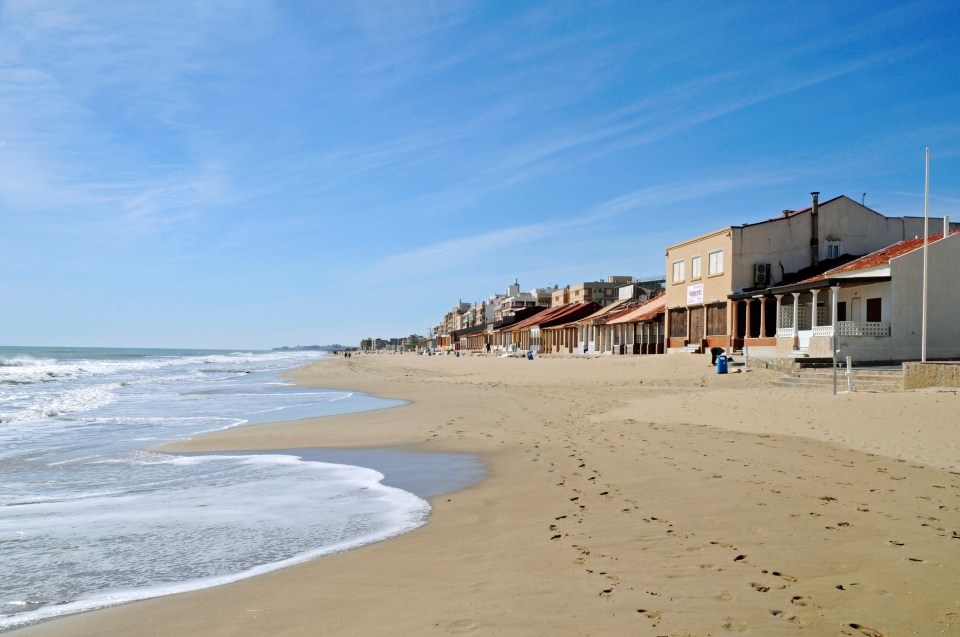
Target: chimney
[(815, 228)]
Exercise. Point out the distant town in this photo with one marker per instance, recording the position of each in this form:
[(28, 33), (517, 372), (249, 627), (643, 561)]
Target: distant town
[(315, 348)]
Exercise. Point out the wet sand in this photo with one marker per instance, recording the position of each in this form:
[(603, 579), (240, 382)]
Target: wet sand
[(624, 496)]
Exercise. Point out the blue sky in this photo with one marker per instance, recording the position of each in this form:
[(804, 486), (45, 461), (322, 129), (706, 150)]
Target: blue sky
[(248, 174)]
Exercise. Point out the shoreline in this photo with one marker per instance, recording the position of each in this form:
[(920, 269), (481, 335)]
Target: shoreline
[(642, 495)]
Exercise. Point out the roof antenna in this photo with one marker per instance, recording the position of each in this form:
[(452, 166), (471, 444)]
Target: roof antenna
[(863, 198)]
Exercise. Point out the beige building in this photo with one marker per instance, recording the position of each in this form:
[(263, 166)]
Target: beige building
[(716, 282), (602, 292)]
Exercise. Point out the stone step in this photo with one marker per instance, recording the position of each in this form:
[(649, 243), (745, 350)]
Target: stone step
[(878, 381), (841, 371)]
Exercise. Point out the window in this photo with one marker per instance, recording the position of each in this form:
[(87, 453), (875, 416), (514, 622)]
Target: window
[(715, 266), (842, 311), (873, 311), (833, 249), (695, 267), (678, 271)]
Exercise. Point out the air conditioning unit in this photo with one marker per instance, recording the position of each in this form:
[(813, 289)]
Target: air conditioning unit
[(761, 274)]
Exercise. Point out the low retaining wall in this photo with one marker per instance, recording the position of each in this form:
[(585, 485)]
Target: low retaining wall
[(783, 365), (920, 375)]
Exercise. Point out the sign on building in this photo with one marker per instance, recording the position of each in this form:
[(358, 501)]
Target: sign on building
[(695, 294)]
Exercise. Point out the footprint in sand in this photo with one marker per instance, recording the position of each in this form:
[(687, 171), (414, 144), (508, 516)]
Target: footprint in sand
[(866, 630), (462, 626), (780, 613), (650, 614), (789, 578)]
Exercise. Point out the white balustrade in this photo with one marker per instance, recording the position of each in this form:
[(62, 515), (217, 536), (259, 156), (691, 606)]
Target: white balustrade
[(854, 328)]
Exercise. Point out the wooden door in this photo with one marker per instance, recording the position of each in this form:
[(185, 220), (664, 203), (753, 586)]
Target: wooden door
[(696, 324)]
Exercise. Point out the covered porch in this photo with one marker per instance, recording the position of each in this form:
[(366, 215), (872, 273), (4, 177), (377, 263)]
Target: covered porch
[(808, 320)]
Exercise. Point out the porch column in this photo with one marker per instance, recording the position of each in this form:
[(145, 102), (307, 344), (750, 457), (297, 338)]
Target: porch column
[(813, 309), (763, 317), (746, 328), (796, 319), (834, 296), (779, 298), (733, 323)]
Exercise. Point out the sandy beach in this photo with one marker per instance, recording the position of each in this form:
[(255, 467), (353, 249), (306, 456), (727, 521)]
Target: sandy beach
[(624, 496)]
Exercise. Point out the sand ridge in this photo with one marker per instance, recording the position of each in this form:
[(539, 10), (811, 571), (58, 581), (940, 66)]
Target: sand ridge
[(626, 496)]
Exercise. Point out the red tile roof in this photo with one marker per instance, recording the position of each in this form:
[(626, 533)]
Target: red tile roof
[(878, 258), (554, 315), (605, 313), (645, 312)]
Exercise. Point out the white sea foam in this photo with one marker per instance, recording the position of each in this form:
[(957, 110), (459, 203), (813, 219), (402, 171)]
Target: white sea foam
[(225, 511)]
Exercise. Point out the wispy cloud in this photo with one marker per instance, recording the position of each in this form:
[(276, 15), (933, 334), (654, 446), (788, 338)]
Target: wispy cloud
[(653, 199), (81, 83)]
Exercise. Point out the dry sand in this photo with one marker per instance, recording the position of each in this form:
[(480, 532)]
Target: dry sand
[(625, 496)]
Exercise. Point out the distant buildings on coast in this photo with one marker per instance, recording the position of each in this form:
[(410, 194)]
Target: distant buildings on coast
[(835, 274)]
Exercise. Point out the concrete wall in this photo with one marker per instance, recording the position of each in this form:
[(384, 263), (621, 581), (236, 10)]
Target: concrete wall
[(921, 375), (943, 324)]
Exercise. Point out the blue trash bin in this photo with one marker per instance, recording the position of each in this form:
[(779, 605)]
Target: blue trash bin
[(530, 355), (722, 364), (458, 354)]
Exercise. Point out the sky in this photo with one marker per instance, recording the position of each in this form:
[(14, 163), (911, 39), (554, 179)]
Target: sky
[(247, 174)]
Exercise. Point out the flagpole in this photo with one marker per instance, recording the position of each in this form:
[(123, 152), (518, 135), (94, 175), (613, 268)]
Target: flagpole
[(926, 234)]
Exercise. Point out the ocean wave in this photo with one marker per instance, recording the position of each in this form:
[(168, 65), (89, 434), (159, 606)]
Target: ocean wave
[(219, 506)]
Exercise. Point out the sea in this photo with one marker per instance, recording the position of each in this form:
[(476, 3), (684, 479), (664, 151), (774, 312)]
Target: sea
[(91, 516)]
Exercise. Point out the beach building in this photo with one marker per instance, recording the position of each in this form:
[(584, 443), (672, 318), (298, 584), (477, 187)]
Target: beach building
[(871, 306), (562, 338), (598, 334), (444, 335), (526, 335), (602, 292), (642, 330), (592, 337), (514, 300), (715, 283)]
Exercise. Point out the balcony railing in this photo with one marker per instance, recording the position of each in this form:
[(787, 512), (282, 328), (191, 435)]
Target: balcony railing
[(854, 328), (843, 328)]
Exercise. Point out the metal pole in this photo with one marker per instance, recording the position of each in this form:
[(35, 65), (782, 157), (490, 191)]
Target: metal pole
[(926, 233), (849, 374), (833, 348)]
